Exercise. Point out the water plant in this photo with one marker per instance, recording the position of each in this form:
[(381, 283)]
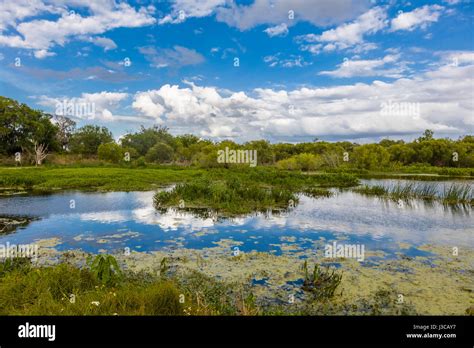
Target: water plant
[(225, 196), (322, 284), (317, 192), (163, 267), (457, 193), (451, 194), (105, 268)]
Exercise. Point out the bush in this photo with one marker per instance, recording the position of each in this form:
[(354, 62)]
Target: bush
[(303, 161), (110, 152), (160, 153)]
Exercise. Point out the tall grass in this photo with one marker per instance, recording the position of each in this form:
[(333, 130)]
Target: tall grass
[(455, 194), (65, 289), (451, 194), (127, 179), (231, 197)]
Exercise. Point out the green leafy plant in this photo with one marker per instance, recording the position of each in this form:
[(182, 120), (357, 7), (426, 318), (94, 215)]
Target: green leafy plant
[(105, 268), (163, 267)]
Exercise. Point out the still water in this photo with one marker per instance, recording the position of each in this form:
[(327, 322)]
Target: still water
[(116, 220)]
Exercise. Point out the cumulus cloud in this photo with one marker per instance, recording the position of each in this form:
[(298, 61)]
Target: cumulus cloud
[(13, 11), (348, 35), (41, 34), (182, 9), (89, 106), (421, 17), (347, 111)]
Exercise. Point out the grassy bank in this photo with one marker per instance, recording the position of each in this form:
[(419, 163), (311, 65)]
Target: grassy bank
[(128, 179), (65, 289)]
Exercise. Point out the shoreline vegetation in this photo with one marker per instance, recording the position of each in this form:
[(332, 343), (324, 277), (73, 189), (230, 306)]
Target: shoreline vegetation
[(103, 288), (184, 282), (227, 192), (451, 194)]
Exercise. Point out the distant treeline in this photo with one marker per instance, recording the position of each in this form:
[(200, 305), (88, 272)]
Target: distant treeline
[(39, 137)]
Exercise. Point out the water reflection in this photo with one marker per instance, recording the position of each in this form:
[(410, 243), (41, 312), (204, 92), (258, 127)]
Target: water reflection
[(116, 219)]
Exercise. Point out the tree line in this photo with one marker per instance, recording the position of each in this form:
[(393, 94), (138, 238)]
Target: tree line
[(35, 135)]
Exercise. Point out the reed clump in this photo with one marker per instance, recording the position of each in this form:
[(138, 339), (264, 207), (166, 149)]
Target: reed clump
[(451, 194), (321, 283)]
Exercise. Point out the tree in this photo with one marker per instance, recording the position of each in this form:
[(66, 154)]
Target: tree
[(403, 154), (111, 152), (41, 152), (371, 156), (66, 128), (264, 150), (22, 127), (146, 138), (308, 161), (302, 161), (160, 153), (86, 140), (427, 135)]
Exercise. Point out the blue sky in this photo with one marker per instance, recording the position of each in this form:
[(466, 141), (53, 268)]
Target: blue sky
[(306, 69)]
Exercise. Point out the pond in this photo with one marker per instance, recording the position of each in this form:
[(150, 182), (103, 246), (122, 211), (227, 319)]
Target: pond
[(111, 221), (423, 251)]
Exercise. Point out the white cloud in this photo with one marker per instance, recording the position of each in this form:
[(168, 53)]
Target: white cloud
[(421, 17), (372, 67), (183, 9), (104, 42), (42, 34), (291, 62), (351, 111), (13, 11), (348, 35), (278, 30), (91, 106), (40, 54)]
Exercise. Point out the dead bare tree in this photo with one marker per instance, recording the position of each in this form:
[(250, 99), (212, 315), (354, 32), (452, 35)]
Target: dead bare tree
[(41, 152)]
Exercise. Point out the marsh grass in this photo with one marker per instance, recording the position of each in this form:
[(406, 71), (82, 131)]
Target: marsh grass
[(322, 284), (140, 179), (28, 290), (241, 191), (317, 192), (455, 194), (450, 195), (230, 197)]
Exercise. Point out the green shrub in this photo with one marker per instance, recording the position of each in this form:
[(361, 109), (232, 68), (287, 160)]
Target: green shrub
[(111, 152), (160, 153)]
